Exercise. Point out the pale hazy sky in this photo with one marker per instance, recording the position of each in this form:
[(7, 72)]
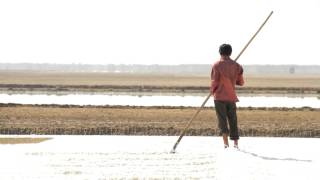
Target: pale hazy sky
[(158, 31)]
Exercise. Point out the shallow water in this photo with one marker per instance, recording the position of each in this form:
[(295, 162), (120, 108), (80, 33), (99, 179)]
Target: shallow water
[(158, 100), (146, 157)]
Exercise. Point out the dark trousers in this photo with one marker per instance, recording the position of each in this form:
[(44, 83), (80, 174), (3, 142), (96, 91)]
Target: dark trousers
[(227, 114)]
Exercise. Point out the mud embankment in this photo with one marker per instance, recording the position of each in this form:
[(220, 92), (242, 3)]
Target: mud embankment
[(124, 120), (157, 131), (14, 88)]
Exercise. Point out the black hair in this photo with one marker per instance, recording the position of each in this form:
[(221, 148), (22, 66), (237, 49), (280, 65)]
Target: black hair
[(225, 49)]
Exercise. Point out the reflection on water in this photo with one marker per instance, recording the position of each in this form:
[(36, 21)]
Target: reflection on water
[(158, 100)]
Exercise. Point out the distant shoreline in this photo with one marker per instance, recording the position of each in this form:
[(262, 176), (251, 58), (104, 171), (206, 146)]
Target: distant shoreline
[(35, 81), (189, 69)]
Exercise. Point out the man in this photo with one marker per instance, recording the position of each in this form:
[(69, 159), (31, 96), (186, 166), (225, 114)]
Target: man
[(225, 74)]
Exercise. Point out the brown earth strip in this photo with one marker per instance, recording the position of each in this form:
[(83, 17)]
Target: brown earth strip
[(150, 79), (15, 81), (11, 88), (26, 140), (107, 120)]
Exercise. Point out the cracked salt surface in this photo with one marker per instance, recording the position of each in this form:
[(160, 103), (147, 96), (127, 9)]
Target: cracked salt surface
[(148, 157)]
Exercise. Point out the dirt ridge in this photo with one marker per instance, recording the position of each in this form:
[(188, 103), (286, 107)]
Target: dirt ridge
[(115, 120), (152, 107), (150, 88)]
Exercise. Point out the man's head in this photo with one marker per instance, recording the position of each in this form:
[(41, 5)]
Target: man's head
[(225, 50)]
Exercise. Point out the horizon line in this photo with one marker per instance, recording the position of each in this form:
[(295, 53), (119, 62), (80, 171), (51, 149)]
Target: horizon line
[(122, 64)]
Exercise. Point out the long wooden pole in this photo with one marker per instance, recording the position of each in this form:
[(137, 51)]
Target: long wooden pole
[(207, 98)]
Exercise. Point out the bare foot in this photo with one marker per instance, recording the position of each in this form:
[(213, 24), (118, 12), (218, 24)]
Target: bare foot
[(236, 144)]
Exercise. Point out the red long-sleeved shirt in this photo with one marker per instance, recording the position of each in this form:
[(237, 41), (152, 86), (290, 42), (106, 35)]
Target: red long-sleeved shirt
[(225, 74)]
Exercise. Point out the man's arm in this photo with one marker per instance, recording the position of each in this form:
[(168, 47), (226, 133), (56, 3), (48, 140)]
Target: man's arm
[(240, 80), (214, 80)]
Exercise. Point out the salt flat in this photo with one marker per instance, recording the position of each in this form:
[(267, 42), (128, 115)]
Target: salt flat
[(148, 157)]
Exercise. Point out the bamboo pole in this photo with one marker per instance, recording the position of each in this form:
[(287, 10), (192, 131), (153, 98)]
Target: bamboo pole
[(207, 98)]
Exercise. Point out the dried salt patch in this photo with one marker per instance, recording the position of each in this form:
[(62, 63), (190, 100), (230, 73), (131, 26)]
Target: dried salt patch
[(149, 157)]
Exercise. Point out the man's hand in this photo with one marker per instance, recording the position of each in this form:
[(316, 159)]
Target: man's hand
[(211, 91)]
